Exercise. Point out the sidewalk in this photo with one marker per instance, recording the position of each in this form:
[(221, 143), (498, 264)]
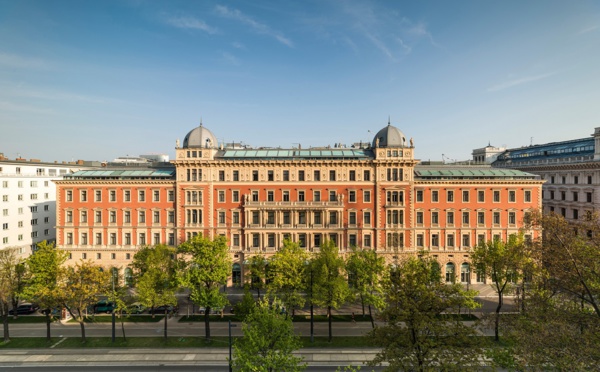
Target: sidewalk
[(190, 357)]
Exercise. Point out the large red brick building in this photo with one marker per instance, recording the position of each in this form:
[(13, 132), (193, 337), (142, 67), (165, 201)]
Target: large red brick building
[(371, 197)]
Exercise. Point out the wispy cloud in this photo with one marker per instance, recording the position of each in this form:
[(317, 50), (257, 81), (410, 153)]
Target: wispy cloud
[(230, 58), (515, 82), (10, 106), (380, 45), (16, 61), (238, 45), (258, 27), (588, 29), (189, 23)]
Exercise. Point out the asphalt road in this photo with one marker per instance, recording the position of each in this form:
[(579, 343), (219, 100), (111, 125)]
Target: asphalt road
[(163, 368)]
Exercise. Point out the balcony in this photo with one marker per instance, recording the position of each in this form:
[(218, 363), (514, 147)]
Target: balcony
[(294, 204)]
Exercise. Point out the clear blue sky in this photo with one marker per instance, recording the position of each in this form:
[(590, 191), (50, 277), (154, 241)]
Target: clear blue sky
[(99, 79)]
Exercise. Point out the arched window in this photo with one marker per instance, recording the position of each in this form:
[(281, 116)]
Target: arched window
[(450, 273), (236, 275), (128, 277), (465, 273)]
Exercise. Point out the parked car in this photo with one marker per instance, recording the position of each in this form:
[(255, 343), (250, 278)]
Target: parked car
[(104, 307), (25, 308), (161, 309), (136, 308)]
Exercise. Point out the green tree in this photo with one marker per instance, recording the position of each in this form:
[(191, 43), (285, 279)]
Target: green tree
[(206, 267), (559, 328), (12, 276), (80, 287), (45, 267), (503, 263), (287, 273), (330, 287), (419, 332), (257, 268), (245, 306), (268, 343), (365, 269), (155, 276)]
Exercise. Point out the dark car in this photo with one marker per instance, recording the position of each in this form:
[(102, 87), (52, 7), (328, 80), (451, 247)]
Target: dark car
[(104, 307), (163, 308), (26, 308)]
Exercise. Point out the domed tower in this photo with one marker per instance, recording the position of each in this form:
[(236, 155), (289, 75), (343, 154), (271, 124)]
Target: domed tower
[(200, 137), (389, 136)]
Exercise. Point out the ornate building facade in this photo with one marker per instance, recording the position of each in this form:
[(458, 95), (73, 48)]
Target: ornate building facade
[(372, 197)]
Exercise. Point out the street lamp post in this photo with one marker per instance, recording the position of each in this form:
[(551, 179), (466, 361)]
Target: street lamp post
[(113, 310), (230, 343)]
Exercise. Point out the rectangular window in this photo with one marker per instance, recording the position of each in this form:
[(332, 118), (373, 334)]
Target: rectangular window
[(221, 175), (286, 218), (127, 217), (156, 195), (352, 240), (235, 196), (156, 217), (512, 218), (98, 238), (255, 175), (434, 218), (512, 196), (98, 218), (127, 195), (98, 195), (434, 196), (589, 180), (527, 196), (69, 238), (465, 196), (84, 238), (367, 218), (367, 196), (496, 196), (367, 175), (112, 217), (221, 196), (333, 218), (171, 217), (142, 239), (83, 216), (112, 195), (141, 196), (69, 196), (301, 175), (481, 218), (127, 238), (588, 197), (271, 240), (286, 175), (450, 196), (352, 218), (255, 217), (465, 218), (332, 196), (450, 218), (236, 217), (496, 218), (286, 196), (419, 218), (466, 240), (69, 217), (222, 218), (317, 196), (271, 217), (113, 239), (575, 196), (352, 196), (575, 214), (301, 196), (236, 240), (270, 176), (435, 240), (236, 175), (317, 218), (142, 217), (255, 240), (450, 240), (332, 175), (367, 241), (420, 242), (352, 175), (156, 238), (170, 195), (481, 196), (317, 240), (317, 175), (419, 196)]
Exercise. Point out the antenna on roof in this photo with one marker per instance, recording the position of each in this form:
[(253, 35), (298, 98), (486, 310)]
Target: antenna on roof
[(389, 121), (531, 142), (200, 120)]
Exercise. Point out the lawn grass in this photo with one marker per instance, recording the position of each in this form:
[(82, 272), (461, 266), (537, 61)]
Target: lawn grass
[(28, 319), (159, 342), (126, 319)]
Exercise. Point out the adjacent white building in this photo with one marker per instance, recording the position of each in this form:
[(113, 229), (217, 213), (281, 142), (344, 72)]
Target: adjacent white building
[(28, 201)]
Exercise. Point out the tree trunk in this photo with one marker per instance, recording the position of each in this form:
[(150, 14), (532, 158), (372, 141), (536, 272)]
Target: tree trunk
[(330, 323), (5, 322), (48, 322), (497, 321), (362, 302), (166, 317), (371, 316), (123, 328), (82, 325), (207, 324)]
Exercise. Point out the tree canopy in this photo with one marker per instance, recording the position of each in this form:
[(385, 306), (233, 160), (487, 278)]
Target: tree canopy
[(287, 273)]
